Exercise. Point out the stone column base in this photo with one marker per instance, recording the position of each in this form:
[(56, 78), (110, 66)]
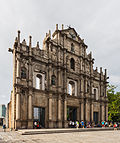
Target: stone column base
[(30, 124), (59, 124), (50, 124), (17, 124), (65, 124)]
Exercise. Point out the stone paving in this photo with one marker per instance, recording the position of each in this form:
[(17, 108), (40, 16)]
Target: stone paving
[(77, 137)]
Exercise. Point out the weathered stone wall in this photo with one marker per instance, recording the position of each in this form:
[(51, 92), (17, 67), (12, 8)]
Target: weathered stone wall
[(54, 68)]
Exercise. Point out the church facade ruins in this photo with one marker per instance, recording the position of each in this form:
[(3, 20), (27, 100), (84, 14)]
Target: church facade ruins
[(56, 84)]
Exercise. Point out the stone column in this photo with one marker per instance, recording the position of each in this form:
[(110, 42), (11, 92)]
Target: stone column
[(65, 110), (100, 112), (59, 109), (59, 112), (107, 112), (50, 74), (78, 113), (82, 87), (92, 112), (65, 113), (82, 110), (59, 80), (17, 123), (50, 111), (103, 112), (17, 106), (30, 73), (50, 108), (64, 73), (18, 68), (87, 111), (30, 107), (30, 121)]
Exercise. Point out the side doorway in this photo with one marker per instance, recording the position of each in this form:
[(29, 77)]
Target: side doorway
[(95, 117), (39, 117), (71, 113)]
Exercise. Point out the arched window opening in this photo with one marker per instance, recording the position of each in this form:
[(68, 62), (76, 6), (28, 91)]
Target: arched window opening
[(38, 81), (95, 94), (53, 80), (88, 88), (23, 73), (71, 88), (72, 47), (72, 64)]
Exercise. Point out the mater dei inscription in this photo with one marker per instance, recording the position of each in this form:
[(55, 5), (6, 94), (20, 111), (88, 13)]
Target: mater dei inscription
[(56, 84)]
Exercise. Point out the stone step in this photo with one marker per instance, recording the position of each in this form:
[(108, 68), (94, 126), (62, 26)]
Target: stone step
[(68, 130)]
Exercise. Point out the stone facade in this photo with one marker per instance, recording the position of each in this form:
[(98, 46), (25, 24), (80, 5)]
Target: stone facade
[(56, 79)]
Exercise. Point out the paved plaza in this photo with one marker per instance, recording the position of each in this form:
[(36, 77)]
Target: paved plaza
[(74, 137)]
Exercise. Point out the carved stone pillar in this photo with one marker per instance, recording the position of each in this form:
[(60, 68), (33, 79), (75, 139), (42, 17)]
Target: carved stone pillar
[(30, 73), (50, 74), (82, 110), (107, 112), (103, 112), (59, 112), (30, 107), (30, 123), (87, 110), (82, 86), (64, 73), (59, 109), (59, 80), (50, 111), (65, 113), (18, 123), (18, 68), (18, 106), (100, 112), (92, 112), (50, 108)]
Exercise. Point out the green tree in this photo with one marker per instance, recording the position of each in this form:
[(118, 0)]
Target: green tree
[(113, 104)]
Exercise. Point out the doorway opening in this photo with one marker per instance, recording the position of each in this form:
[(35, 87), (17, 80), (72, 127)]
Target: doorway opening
[(39, 117), (95, 117), (71, 113)]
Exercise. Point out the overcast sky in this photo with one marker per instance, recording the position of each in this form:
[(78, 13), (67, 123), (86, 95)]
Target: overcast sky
[(96, 21)]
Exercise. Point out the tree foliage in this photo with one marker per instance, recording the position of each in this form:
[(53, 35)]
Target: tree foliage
[(113, 104)]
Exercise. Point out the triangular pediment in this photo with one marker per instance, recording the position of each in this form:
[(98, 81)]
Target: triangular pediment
[(71, 33)]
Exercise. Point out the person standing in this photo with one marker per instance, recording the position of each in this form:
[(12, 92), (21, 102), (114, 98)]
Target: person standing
[(4, 128), (106, 124), (103, 123), (82, 124)]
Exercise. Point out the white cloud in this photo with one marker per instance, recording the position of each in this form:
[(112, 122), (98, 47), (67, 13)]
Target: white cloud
[(96, 21)]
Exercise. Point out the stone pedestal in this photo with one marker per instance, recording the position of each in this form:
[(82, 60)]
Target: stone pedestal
[(82, 111), (30, 124), (50, 124), (17, 124), (65, 124), (17, 106), (59, 124)]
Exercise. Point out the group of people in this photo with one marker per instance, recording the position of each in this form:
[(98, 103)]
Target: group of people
[(77, 124), (37, 125), (85, 124)]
